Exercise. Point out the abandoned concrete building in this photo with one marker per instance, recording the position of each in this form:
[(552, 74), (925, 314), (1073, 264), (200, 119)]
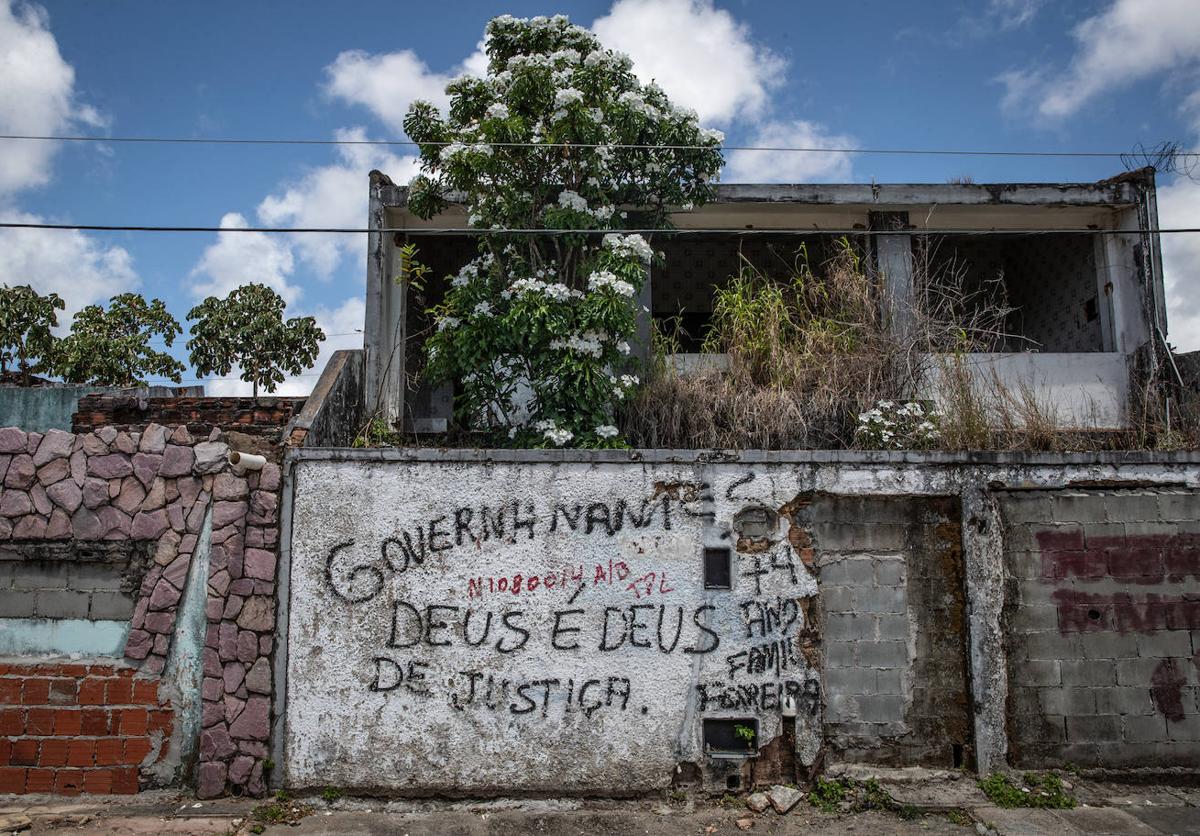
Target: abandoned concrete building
[(468, 622), (1085, 284)]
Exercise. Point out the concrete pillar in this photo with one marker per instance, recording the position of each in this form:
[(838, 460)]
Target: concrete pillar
[(645, 318), (384, 328), (894, 261)]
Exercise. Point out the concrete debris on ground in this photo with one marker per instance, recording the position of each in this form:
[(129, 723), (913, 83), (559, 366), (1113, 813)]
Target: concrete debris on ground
[(929, 808)]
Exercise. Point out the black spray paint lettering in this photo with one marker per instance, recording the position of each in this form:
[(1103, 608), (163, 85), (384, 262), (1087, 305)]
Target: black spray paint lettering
[(390, 675), (412, 626), (482, 690), (764, 619), (625, 625), (759, 696), (773, 657)]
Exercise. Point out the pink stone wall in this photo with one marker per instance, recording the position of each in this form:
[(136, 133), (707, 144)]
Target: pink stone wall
[(157, 486)]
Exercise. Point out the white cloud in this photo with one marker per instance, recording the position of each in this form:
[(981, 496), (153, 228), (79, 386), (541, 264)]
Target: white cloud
[(791, 166), (1129, 41), (1179, 206), (1012, 14), (700, 55), (37, 96), (238, 258), (333, 196), (343, 322), (77, 267), (388, 83)]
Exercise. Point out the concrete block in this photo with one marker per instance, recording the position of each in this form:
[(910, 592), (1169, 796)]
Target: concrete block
[(1079, 702), (1164, 644), (1137, 672), (114, 606), (837, 599), (889, 571), (833, 573), (1106, 729), (104, 576), (841, 708), (1187, 729), (854, 571), (840, 681), (1127, 700), (857, 537), (1179, 506), (1079, 508), (1109, 645), (849, 627), (18, 603), (62, 603), (886, 599), (892, 627), (1049, 646), (889, 681), (883, 654), (7, 567), (1034, 619), (1088, 672), (1041, 672), (881, 708), (1053, 701), (41, 574), (1124, 507), (840, 654), (1144, 729), (1026, 508), (1149, 528)]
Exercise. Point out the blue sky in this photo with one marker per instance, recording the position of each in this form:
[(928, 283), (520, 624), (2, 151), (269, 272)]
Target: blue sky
[(997, 74)]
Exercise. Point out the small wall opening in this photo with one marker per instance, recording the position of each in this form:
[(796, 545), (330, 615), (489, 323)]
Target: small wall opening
[(731, 736), (718, 570)]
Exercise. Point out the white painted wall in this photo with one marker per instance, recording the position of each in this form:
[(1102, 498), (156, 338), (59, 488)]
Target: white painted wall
[(625, 705)]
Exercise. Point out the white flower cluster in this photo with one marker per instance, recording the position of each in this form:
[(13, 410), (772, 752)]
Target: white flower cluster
[(607, 431), (589, 342), (472, 269), (499, 110), (627, 246), (635, 102), (483, 309), (557, 291), (550, 430), (448, 322), (898, 427), (567, 96), (456, 148), (712, 135), (572, 200), (604, 279), (623, 385)]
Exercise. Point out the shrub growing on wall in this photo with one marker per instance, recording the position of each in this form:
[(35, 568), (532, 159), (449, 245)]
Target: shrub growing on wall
[(26, 320), (535, 332)]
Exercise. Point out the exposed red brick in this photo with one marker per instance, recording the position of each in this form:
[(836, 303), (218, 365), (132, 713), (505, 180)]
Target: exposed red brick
[(24, 752), (54, 752), (10, 692), (95, 722), (68, 722), (39, 780), (134, 721), (98, 780), (118, 692), (64, 692), (101, 670), (12, 721), (68, 781), (40, 721), (12, 779), (160, 720), (74, 671), (110, 751), (5, 751), (81, 751), (125, 780), (145, 692), (136, 750), (91, 692), (36, 692)]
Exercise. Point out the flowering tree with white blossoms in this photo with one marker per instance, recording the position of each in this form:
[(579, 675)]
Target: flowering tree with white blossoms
[(535, 331)]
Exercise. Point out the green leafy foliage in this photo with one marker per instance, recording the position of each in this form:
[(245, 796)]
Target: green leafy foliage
[(247, 329), (535, 331), (26, 320), (1033, 790), (111, 347), (745, 733), (826, 796)]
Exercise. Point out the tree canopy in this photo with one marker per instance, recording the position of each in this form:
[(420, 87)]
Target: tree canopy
[(111, 347), (246, 329), (560, 135), (26, 322)]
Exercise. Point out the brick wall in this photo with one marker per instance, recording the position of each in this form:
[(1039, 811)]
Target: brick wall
[(72, 728), (266, 416), (891, 575), (1103, 627)]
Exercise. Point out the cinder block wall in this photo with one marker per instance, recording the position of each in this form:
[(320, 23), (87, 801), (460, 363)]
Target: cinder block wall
[(891, 576), (1103, 627)]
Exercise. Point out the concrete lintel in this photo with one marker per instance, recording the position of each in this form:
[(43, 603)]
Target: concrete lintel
[(1013, 459)]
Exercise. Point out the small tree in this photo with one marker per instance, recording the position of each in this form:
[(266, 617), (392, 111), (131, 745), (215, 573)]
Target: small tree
[(247, 329), (26, 320), (559, 135), (112, 347)]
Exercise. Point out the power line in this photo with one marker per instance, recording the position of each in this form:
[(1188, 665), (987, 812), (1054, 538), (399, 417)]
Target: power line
[(441, 231), (944, 152)]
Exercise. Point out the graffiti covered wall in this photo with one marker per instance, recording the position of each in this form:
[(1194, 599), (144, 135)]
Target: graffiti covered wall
[(536, 628)]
